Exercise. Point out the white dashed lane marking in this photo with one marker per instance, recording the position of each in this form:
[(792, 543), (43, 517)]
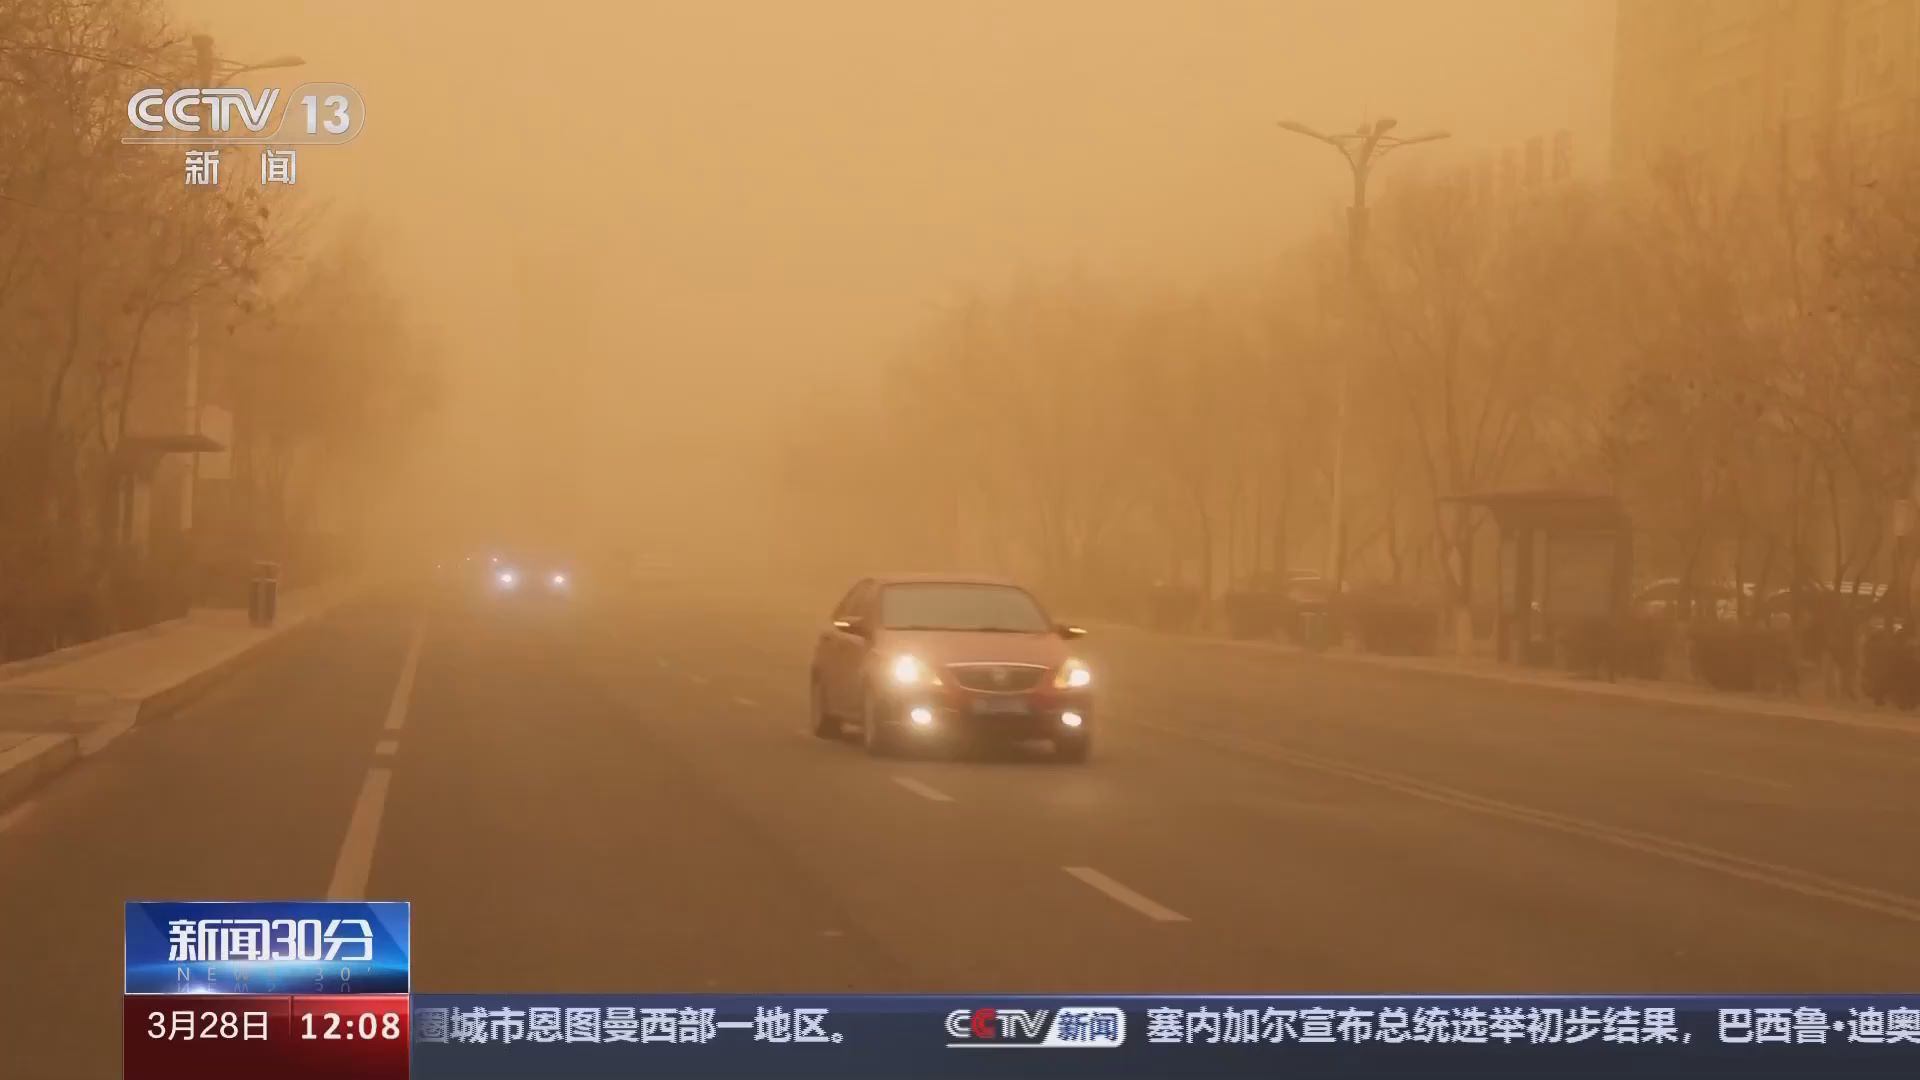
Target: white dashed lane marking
[(355, 861), (403, 693), (931, 794), (1145, 906), (350, 870)]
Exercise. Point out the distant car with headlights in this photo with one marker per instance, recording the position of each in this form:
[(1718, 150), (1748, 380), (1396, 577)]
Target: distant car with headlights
[(930, 658), (509, 576)]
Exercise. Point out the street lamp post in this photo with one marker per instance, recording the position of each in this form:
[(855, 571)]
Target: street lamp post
[(1361, 149), (208, 71)]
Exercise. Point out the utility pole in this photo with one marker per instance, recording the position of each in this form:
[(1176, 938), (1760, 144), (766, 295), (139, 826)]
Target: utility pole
[(1361, 150)]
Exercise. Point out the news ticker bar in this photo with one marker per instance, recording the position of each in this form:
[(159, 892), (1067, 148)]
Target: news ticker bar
[(1063, 1038), (435, 1036), (316, 989)]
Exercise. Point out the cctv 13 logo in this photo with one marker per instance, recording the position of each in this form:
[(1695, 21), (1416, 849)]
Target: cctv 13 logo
[(316, 113), (1089, 1027)]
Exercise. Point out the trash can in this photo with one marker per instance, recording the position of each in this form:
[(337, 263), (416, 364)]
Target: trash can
[(263, 593)]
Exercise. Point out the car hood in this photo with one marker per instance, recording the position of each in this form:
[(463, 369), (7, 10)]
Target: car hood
[(942, 647)]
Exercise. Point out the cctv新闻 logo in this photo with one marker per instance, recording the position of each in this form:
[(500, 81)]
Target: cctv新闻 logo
[(156, 110), (1073, 1026)]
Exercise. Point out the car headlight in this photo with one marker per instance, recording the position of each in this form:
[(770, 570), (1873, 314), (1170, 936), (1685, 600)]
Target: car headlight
[(508, 578), (1074, 675), (909, 671), (559, 581)]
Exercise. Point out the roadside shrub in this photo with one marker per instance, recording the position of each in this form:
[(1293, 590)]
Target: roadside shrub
[(1729, 657), (1890, 669), (223, 584), (1308, 600), (1254, 613), (1640, 649), (1397, 627), (1634, 647), (1172, 607), (141, 592), (1294, 620)]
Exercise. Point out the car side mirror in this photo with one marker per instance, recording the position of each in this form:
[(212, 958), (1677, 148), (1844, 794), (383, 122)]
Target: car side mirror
[(853, 624), (1066, 631)]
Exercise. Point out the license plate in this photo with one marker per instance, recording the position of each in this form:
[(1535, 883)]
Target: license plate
[(1008, 706)]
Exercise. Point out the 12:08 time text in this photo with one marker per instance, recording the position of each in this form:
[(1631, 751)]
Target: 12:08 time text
[(364, 1026)]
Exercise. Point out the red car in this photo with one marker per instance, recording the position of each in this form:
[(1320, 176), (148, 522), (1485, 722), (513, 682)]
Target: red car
[(928, 658)]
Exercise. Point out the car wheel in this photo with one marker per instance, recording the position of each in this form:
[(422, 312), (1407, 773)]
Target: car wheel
[(1073, 750), (877, 736), (825, 726)]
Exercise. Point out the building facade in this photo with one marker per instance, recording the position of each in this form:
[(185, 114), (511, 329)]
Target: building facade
[(1728, 81)]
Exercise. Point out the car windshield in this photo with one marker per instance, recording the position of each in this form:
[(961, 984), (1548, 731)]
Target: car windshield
[(960, 606)]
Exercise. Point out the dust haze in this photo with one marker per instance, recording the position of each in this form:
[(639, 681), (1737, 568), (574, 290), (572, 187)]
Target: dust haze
[(717, 494), (667, 250)]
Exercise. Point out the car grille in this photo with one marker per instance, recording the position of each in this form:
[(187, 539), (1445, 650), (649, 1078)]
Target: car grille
[(998, 678)]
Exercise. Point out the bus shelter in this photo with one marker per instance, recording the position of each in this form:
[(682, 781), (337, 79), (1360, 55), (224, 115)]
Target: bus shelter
[(1565, 566)]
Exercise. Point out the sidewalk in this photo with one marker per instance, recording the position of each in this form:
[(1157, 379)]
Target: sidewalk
[(1684, 695), (61, 707)]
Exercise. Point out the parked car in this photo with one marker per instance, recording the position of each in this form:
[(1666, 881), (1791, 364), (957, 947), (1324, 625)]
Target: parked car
[(1890, 671), (1714, 601), (1860, 595)]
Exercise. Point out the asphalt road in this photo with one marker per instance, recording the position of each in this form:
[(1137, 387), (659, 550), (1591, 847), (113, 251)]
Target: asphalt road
[(621, 796)]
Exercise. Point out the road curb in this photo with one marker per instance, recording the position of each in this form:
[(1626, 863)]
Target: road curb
[(1618, 691), (25, 766), (185, 692), (40, 758), (165, 703)]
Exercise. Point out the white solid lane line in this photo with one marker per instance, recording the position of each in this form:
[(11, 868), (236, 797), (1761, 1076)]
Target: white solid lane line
[(747, 701), (403, 693), (931, 794), (356, 853), (1152, 910), (697, 680)]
